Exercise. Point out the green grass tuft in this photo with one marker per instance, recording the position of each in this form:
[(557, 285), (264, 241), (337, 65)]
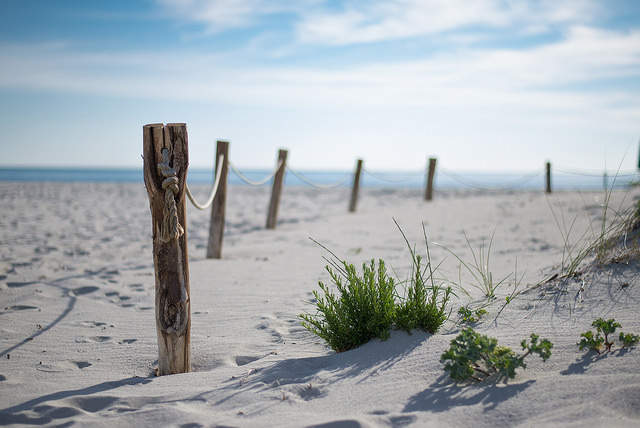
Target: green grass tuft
[(367, 306)]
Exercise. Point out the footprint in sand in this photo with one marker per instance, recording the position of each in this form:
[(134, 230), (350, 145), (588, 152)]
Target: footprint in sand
[(94, 339), (243, 360), (63, 366), (20, 308), (282, 327), (92, 324), (80, 291), (120, 299), (136, 287), (92, 404), (49, 413), (21, 284), (45, 250)]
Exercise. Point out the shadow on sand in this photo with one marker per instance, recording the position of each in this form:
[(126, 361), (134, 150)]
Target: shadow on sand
[(36, 412), (445, 394)]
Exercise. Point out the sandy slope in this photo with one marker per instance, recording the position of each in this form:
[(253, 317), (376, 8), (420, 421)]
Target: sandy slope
[(77, 329)]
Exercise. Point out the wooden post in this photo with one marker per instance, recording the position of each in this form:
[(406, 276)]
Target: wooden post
[(548, 188), (428, 194), (218, 207), (356, 187), (272, 216), (166, 158)]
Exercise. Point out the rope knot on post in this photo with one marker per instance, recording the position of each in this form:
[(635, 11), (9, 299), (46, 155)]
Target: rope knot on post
[(170, 227)]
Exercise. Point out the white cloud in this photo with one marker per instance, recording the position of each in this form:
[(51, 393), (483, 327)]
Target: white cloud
[(535, 76), (355, 21), (220, 15)]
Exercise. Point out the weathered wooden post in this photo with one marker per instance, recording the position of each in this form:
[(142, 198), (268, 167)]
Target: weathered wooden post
[(428, 194), (548, 180), (276, 191), (356, 187), (218, 207), (166, 158)]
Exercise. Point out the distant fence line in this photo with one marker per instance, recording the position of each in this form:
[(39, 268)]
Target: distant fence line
[(276, 178)]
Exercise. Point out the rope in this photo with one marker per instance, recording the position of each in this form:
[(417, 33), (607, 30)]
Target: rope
[(393, 180), (213, 191), (255, 183), (318, 185), (527, 178), (585, 173), (170, 228)]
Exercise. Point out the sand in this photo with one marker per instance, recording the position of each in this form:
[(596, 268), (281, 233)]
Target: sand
[(77, 329)]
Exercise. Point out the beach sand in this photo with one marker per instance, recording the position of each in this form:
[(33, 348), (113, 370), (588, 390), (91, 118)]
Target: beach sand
[(78, 341)]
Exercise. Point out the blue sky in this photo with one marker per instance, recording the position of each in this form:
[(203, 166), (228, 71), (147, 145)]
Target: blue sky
[(479, 84)]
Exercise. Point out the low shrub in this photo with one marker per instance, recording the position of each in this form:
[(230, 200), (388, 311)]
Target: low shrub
[(476, 356)]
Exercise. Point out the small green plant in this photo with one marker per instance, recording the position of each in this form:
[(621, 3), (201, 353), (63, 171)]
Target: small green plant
[(592, 341), (364, 308), (595, 341), (477, 357), (606, 327), (628, 340), (471, 316), (367, 304)]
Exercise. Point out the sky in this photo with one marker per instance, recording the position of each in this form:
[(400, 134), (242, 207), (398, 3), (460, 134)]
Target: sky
[(482, 85)]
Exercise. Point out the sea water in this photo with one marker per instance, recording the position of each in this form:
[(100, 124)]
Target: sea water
[(446, 180)]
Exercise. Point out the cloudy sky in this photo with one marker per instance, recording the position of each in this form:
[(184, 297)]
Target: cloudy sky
[(479, 84)]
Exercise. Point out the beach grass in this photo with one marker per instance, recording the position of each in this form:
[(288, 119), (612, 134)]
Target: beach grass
[(612, 237), (367, 305)]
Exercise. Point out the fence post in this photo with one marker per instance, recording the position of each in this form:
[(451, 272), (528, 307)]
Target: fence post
[(548, 189), (428, 194), (166, 158), (218, 207), (356, 187), (276, 191)]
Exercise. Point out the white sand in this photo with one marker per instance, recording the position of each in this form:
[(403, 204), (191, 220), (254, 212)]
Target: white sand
[(77, 328)]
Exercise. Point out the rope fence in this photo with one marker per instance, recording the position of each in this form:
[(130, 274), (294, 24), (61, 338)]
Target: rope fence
[(316, 184), (214, 190), (585, 173), (258, 183), (512, 185), (405, 178), (276, 176)]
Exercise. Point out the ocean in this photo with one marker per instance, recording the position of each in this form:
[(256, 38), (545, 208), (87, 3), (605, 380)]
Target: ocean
[(444, 179)]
